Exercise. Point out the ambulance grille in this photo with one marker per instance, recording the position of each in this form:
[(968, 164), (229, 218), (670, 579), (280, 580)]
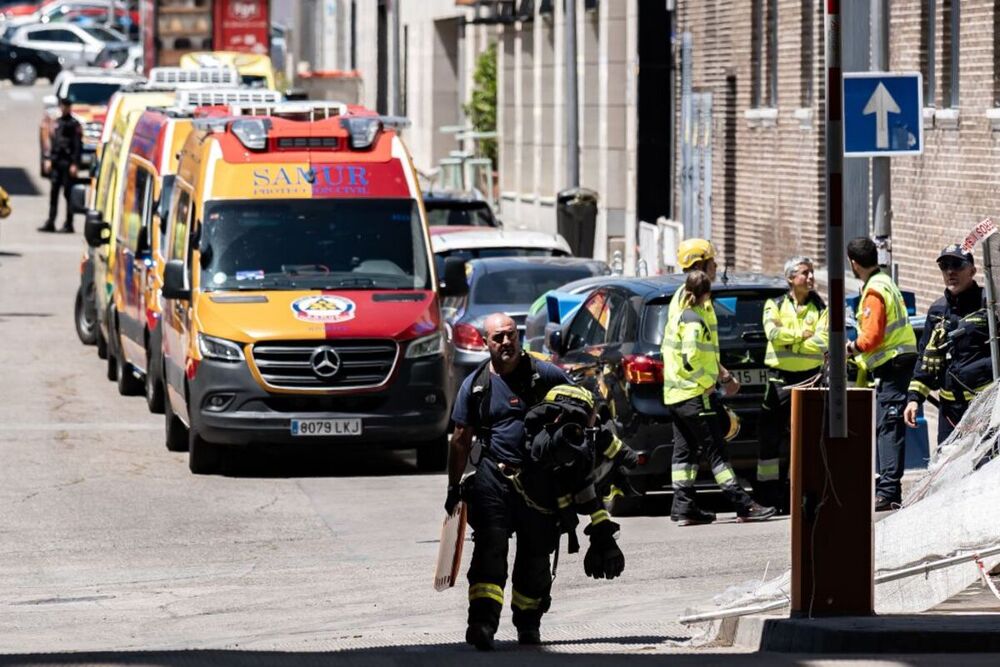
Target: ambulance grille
[(363, 364)]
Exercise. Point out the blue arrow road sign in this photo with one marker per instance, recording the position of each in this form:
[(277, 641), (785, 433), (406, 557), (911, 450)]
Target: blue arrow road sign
[(883, 114)]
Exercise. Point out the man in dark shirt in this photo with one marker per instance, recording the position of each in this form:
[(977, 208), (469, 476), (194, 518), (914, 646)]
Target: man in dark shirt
[(492, 404), (955, 346), (65, 147)]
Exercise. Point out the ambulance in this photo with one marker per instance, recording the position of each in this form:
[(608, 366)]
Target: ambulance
[(102, 212), (300, 299), (159, 136)]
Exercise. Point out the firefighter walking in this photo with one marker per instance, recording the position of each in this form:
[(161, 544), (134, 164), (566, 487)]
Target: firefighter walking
[(954, 350), (691, 372), (885, 349), (65, 147), (796, 328)]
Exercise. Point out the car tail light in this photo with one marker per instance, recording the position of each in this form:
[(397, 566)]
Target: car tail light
[(467, 337), (640, 369)]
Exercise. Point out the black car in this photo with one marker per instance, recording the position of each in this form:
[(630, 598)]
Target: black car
[(448, 208), (612, 344), (23, 65)]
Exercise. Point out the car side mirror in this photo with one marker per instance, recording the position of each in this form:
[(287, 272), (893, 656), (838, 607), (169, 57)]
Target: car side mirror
[(78, 198), (95, 230), (554, 340), (455, 283), (174, 281)]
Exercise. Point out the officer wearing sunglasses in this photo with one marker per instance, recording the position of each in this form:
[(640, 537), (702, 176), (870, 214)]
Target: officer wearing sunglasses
[(954, 349)]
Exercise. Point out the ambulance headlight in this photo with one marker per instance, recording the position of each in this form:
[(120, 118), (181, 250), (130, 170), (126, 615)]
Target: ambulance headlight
[(426, 346), (219, 349), (252, 132), (362, 130)]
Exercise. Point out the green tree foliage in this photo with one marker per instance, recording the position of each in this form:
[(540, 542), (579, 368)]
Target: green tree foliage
[(482, 107)]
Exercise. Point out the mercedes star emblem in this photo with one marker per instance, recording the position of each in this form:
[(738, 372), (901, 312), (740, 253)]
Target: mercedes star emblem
[(325, 362)]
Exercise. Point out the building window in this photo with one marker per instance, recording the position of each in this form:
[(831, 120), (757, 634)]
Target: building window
[(927, 45), (756, 50), (806, 54), (950, 22), (764, 54)]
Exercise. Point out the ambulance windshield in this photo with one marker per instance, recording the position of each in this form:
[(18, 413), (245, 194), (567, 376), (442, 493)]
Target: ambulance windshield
[(314, 244)]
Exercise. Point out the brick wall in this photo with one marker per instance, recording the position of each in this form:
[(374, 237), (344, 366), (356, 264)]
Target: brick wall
[(768, 181)]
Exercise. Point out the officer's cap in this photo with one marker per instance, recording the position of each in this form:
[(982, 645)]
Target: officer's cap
[(955, 251)]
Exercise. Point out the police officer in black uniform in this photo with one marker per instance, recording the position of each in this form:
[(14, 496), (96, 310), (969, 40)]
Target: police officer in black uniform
[(65, 146), (955, 347), (492, 404)]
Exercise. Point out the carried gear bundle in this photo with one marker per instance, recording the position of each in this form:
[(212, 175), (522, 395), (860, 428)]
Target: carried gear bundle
[(569, 455)]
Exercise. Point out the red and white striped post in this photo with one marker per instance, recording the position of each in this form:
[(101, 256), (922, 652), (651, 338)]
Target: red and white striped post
[(837, 413)]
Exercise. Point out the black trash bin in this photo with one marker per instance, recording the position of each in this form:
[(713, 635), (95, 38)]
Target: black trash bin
[(576, 219)]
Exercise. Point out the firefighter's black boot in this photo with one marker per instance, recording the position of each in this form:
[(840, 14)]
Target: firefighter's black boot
[(529, 637), (694, 517), (755, 512), (480, 635)]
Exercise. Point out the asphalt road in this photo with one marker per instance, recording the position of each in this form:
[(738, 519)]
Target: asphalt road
[(109, 544)]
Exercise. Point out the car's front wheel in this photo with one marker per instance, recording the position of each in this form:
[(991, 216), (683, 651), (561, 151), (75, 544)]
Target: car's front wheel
[(176, 432), (86, 323), (154, 388), (204, 458), (25, 74)]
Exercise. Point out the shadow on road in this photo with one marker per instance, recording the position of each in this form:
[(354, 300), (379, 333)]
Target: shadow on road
[(16, 182), (306, 461)]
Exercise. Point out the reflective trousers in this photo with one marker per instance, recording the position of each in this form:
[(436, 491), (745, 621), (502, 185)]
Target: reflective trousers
[(497, 511), (892, 380), (772, 434), (697, 434)]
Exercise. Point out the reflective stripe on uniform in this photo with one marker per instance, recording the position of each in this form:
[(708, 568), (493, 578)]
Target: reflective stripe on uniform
[(612, 493), (723, 475), (683, 474), (768, 470), (613, 448), (899, 338), (599, 516), (564, 501), (919, 387), (946, 395), (487, 591), (523, 602)]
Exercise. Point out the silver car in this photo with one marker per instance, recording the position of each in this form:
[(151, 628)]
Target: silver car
[(76, 45)]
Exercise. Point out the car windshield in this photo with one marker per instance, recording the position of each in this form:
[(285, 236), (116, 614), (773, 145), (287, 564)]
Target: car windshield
[(314, 244), (253, 81), (740, 314), (91, 93), (524, 284), (459, 214), (476, 253)]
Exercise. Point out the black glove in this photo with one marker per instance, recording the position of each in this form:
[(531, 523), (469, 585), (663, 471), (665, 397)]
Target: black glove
[(454, 497), (603, 560), (627, 457)]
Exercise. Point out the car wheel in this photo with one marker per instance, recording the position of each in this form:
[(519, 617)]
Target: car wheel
[(25, 74), (86, 326), (176, 432), (204, 458), (432, 456), (128, 383), (154, 388), (101, 341), (111, 370)]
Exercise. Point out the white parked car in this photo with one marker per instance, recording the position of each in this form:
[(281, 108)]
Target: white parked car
[(476, 242), (76, 45)]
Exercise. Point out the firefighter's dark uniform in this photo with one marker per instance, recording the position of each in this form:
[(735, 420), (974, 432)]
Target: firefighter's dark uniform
[(791, 359), (66, 145), (954, 356), (496, 509)]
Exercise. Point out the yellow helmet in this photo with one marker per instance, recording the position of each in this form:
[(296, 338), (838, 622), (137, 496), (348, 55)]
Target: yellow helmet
[(691, 251), (730, 423), (4, 203)]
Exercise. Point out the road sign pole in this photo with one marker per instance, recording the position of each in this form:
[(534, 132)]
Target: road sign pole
[(882, 166), (835, 223)]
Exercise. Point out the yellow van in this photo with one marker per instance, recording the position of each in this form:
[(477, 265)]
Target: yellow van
[(256, 70), (300, 303)]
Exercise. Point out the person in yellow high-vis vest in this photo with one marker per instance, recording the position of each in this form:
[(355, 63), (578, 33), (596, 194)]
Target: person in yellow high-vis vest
[(691, 371), (796, 328), (886, 350)]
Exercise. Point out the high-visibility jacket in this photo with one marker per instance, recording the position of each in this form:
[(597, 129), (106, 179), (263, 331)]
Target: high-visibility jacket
[(690, 353), (784, 324), (899, 337)]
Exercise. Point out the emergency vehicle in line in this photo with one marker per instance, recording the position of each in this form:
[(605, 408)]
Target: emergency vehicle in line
[(300, 299)]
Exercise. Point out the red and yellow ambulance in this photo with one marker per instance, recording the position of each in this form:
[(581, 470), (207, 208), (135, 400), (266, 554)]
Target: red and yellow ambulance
[(300, 301)]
